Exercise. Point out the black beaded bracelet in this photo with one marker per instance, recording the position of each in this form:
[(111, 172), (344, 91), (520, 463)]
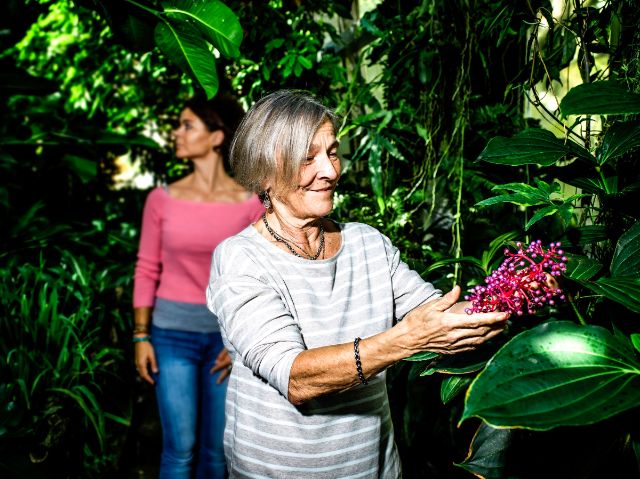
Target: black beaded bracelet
[(356, 353)]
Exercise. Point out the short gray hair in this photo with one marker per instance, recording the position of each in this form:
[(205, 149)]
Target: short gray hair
[(274, 137)]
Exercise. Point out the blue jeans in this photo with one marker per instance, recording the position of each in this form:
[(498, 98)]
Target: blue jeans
[(190, 404)]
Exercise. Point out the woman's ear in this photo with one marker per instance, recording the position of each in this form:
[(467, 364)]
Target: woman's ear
[(217, 139)]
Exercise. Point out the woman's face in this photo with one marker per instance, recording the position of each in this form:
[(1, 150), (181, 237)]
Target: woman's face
[(313, 195), (193, 138)]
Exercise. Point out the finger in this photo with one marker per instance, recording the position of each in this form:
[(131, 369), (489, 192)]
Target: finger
[(448, 300), (223, 355), (223, 375), (480, 319), (144, 374), (217, 367), (221, 363), (153, 363)]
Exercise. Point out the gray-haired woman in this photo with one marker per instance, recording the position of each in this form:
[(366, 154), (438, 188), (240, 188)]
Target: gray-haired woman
[(294, 294)]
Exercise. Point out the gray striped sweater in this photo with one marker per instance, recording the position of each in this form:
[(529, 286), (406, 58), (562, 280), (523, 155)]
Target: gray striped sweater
[(271, 306)]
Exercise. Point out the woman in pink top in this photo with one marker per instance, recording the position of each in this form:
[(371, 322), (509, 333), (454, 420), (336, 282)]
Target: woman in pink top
[(178, 346)]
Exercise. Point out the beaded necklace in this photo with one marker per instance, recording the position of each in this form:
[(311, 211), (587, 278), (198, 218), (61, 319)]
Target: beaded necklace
[(279, 238)]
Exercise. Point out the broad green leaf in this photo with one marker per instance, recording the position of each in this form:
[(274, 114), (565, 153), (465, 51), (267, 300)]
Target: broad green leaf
[(426, 356), (609, 97), (213, 19), (581, 267), (462, 363), (556, 374), (588, 185), (515, 198), (487, 453), (523, 194), (185, 47), (532, 146), (635, 339), (541, 213), (619, 139), (624, 290), (626, 258), (452, 386)]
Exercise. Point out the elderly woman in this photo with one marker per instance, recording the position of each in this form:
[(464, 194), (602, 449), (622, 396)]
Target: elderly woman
[(314, 311)]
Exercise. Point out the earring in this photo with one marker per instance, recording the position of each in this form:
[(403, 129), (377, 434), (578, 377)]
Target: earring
[(266, 201)]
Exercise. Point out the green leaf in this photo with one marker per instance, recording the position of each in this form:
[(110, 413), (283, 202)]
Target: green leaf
[(541, 213), (213, 19), (626, 258), (185, 47), (586, 235), (425, 356), (532, 146), (305, 62), (84, 168), (496, 245), (452, 386), (589, 185), (581, 267), (608, 97), (556, 374), (462, 363), (443, 262), (487, 453), (619, 139), (515, 198), (624, 290), (635, 340)]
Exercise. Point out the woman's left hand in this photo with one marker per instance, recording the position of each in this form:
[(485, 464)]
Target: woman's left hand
[(222, 364)]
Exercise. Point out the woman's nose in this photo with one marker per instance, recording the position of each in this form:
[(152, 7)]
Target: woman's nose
[(327, 167)]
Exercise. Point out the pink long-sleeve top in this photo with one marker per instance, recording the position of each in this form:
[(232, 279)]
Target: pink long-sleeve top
[(176, 243)]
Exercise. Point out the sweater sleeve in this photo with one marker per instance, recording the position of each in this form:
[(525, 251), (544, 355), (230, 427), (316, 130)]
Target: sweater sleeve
[(149, 263), (409, 289), (253, 317)]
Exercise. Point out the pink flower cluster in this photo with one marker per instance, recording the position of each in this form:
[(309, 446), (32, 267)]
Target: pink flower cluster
[(523, 283)]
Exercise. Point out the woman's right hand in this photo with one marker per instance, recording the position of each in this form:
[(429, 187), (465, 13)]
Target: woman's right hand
[(145, 358), (442, 326)]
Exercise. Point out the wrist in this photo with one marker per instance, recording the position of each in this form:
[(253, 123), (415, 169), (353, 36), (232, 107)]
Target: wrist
[(140, 328), (400, 341)]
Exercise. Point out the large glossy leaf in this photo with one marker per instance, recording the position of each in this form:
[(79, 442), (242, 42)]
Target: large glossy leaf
[(581, 267), (487, 454), (532, 146), (626, 258), (608, 97), (557, 374), (619, 139), (185, 47), (624, 290), (213, 19)]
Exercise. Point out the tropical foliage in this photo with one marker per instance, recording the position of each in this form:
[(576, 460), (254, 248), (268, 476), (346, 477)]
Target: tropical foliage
[(467, 126)]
